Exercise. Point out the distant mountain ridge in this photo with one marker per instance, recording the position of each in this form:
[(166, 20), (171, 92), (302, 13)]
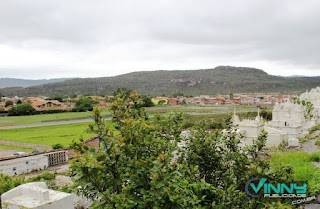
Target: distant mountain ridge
[(16, 82), (219, 80)]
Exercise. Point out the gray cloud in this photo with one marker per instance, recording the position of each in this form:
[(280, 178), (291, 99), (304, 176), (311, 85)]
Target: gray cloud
[(44, 39)]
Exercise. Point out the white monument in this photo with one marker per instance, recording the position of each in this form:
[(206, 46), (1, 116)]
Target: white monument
[(314, 97), (289, 121), (36, 195), (288, 117), (251, 129)]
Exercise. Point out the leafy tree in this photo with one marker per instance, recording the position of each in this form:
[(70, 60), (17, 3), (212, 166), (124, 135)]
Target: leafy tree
[(73, 96), (109, 99), (227, 166), (231, 95), (58, 97), (123, 91), (147, 102), (8, 103), (161, 102), (134, 168), (267, 115), (308, 107), (21, 109), (177, 94), (140, 165), (19, 101), (84, 104)]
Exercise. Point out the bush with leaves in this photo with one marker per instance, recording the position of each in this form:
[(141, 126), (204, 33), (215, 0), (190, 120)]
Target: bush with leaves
[(8, 103), (84, 104), (146, 101), (21, 109), (140, 165), (57, 146)]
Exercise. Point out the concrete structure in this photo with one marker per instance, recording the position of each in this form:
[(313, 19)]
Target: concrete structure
[(293, 142), (29, 163), (21, 165), (57, 157), (251, 129), (289, 121), (291, 118), (314, 97), (36, 195)]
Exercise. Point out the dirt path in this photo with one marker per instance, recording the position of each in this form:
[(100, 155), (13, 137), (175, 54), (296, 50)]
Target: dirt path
[(22, 144), (310, 146)]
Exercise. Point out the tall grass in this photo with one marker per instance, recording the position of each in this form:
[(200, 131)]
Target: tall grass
[(302, 165)]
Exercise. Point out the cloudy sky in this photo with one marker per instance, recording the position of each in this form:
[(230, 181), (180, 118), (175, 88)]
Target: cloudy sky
[(82, 38)]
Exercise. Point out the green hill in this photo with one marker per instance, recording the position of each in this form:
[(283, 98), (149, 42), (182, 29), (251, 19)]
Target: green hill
[(14, 82), (219, 80)]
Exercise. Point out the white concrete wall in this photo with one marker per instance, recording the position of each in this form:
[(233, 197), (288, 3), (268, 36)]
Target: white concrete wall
[(251, 131), (23, 165), (36, 195)]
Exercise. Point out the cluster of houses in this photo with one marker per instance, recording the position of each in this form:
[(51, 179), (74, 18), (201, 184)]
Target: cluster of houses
[(236, 99), (259, 99), (38, 103)]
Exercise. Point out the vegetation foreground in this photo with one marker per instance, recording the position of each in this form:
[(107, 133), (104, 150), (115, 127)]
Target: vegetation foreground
[(142, 166)]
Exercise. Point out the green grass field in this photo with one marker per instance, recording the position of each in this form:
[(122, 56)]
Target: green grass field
[(18, 148), (47, 135), (31, 119)]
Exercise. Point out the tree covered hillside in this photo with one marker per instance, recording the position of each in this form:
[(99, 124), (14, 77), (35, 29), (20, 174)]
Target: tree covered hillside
[(219, 80)]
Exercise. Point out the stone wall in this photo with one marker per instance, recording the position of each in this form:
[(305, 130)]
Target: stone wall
[(17, 166)]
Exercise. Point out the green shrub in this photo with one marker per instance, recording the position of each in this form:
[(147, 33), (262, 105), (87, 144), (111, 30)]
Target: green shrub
[(187, 124), (46, 175), (317, 142), (57, 146), (21, 109), (215, 125), (302, 139), (314, 129), (84, 104), (315, 157)]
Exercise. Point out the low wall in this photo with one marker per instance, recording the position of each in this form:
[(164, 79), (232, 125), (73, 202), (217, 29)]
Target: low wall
[(17, 166)]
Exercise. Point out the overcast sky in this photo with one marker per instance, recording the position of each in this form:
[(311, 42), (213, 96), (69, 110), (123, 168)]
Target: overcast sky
[(91, 38)]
